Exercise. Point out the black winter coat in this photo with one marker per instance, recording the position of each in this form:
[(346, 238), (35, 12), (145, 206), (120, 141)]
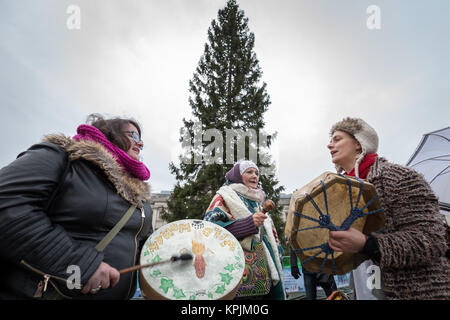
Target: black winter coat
[(40, 246)]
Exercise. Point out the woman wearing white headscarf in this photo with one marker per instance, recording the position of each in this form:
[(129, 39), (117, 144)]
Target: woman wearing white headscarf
[(237, 206)]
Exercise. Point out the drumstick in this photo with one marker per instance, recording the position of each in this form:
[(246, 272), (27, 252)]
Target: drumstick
[(184, 256), (268, 205)]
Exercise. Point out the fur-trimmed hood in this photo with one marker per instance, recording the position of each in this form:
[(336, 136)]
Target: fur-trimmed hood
[(131, 189)]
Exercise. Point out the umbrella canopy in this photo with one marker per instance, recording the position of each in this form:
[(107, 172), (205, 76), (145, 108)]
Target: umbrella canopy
[(432, 159)]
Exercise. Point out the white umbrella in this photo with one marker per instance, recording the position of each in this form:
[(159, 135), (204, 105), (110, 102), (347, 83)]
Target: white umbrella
[(432, 159)]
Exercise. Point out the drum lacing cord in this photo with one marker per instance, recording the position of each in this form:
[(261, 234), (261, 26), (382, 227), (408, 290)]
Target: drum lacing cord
[(324, 221)]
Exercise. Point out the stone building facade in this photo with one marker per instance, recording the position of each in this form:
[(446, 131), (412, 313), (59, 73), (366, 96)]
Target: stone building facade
[(158, 203)]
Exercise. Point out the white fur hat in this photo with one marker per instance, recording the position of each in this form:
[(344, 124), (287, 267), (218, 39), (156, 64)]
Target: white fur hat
[(363, 133)]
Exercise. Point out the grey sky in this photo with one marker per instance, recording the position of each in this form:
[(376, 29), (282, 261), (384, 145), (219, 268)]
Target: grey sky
[(135, 58)]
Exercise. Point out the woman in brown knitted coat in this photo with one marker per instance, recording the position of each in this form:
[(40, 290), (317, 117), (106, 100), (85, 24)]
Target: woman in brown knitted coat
[(411, 252)]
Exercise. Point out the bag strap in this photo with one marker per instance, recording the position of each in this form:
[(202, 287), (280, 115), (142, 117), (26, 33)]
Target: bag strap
[(115, 230)]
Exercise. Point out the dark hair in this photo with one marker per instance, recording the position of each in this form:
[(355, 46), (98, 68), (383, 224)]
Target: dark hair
[(113, 129)]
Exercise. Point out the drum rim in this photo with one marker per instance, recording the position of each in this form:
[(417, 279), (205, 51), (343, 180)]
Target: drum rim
[(229, 293), (351, 261)]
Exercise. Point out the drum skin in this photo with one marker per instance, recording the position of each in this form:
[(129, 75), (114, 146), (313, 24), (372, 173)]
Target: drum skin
[(214, 273), (339, 207)]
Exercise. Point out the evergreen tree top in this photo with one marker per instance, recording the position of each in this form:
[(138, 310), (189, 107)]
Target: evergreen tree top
[(226, 91)]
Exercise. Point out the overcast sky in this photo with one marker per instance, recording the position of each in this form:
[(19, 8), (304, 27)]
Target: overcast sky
[(135, 58)]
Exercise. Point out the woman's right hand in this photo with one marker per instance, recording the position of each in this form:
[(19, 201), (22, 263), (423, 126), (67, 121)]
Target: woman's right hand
[(258, 218), (102, 278)]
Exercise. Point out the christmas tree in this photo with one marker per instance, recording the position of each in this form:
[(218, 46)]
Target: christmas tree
[(228, 102)]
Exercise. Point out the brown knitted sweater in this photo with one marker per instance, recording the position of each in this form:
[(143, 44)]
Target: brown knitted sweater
[(413, 246)]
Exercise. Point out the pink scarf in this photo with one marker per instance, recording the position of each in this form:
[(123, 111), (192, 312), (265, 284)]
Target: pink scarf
[(133, 167)]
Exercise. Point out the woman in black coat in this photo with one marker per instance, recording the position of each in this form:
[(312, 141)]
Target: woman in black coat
[(59, 199)]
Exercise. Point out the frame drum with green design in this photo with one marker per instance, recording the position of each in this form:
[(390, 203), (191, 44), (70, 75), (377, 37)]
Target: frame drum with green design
[(214, 273)]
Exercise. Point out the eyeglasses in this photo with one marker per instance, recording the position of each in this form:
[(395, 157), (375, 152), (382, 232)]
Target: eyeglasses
[(135, 136)]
